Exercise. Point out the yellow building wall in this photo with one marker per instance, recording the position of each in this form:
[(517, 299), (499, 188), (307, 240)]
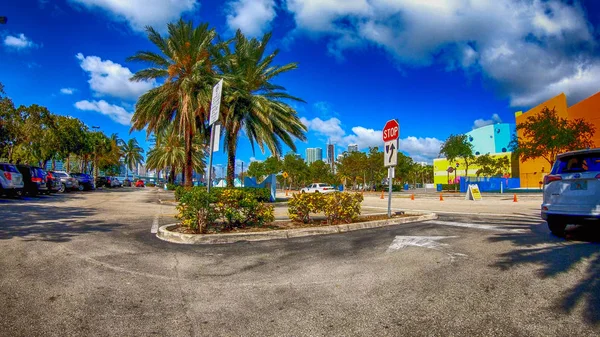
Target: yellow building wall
[(532, 172), (440, 167), (589, 110)]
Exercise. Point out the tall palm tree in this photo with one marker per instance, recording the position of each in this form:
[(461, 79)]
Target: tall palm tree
[(251, 102), (132, 154), (169, 152), (184, 65)]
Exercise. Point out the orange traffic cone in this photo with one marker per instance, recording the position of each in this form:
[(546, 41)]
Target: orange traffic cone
[(515, 197), (441, 197), (381, 195), (412, 196)]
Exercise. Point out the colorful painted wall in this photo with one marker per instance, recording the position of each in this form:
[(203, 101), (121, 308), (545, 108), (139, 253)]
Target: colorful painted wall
[(532, 172), (492, 138), (440, 168)]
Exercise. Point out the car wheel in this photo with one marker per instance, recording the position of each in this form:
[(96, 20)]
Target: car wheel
[(81, 187), (317, 192), (557, 227), (302, 192), (62, 188)]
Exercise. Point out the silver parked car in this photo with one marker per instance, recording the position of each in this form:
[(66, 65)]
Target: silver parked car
[(572, 190), (11, 180), (67, 183)]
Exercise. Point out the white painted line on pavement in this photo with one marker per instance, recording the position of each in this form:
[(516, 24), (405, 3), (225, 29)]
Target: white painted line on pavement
[(154, 229), (474, 225), (430, 242)]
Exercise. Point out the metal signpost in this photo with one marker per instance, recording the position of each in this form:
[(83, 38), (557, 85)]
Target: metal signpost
[(215, 130), (391, 132)]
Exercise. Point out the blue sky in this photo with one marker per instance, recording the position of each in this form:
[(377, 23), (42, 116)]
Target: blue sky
[(439, 68)]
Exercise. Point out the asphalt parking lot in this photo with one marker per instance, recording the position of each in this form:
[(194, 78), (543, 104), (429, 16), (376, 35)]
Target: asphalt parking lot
[(86, 264)]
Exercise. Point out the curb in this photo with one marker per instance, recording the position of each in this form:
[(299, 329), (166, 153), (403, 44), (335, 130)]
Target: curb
[(165, 234)]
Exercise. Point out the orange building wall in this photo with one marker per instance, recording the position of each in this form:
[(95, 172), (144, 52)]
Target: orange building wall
[(532, 172), (588, 109)]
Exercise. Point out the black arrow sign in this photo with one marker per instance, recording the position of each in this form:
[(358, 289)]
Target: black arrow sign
[(390, 149)]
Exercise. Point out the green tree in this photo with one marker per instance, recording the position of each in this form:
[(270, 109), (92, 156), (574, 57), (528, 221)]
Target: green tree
[(132, 154), (546, 134), (320, 172), (273, 165), (257, 170), (353, 166), (376, 172), (458, 146), (252, 102), (185, 69), (296, 169)]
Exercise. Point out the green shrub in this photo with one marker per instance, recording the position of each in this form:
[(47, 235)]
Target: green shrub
[(150, 184), (260, 194), (195, 210), (231, 207), (450, 187), (171, 187), (180, 190), (337, 207)]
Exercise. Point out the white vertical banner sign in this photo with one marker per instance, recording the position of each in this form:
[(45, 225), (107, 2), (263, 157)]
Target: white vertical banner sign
[(215, 131)]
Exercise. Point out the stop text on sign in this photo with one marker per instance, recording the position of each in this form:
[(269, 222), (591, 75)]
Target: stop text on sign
[(391, 130)]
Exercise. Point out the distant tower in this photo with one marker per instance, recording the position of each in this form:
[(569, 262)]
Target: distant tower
[(313, 154), (352, 147), (331, 156)]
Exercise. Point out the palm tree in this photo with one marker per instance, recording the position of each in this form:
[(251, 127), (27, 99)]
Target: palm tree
[(169, 152), (184, 66), (251, 102), (132, 154)]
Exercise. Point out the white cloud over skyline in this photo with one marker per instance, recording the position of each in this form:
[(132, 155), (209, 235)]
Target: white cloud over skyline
[(483, 122), (112, 79), (114, 112), (67, 91)]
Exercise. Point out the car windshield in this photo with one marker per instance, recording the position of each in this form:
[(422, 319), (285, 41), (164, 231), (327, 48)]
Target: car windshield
[(59, 174), (577, 163)]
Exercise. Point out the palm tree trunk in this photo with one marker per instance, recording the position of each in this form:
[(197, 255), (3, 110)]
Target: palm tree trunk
[(188, 159), (230, 161), (172, 175)]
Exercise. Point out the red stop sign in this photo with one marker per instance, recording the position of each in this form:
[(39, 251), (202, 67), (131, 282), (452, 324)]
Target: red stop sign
[(391, 130)]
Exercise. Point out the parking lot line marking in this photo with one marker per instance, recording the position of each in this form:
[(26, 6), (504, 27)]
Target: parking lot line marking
[(154, 229), (475, 225)]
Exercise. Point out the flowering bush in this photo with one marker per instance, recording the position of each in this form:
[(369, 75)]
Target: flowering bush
[(337, 207), (232, 208)]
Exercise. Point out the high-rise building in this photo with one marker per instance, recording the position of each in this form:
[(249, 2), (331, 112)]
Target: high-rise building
[(314, 154), (331, 155), (352, 147)]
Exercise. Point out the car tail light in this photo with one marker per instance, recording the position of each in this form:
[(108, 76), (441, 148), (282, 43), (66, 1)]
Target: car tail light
[(8, 175), (50, 176), (550, 178), (36, 180), (597, 176)]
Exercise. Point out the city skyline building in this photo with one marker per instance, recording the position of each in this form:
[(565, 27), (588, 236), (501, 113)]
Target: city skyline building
[(352, 147), (313, 154), (331, 156)]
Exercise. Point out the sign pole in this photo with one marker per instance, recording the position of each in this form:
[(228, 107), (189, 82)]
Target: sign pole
[(390, 179), (215, 107)]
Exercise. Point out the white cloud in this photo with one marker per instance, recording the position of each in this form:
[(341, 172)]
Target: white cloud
[(330, 128), (483, 122), (531, 50), (421, 149), (325, 109), (112, 79), (141, 13), (67, 91), (252, 17), (115, 112), (364, 137), (19, 42)]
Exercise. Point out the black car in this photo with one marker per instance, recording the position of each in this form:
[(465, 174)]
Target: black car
[(85, 181), (34, 179), (102, 182)]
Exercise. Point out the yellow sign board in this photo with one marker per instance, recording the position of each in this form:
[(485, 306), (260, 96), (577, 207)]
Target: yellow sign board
[(285, 175), (473, 193)]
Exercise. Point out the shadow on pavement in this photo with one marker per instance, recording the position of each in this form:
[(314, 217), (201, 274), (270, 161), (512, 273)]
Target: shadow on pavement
[(558, 255), (47, 222)]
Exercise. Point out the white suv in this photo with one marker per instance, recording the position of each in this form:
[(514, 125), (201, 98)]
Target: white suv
[(572, 190), (318, 188), (11, 180)]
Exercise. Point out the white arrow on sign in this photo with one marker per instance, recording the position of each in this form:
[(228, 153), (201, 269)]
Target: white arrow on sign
[(391, 153)]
